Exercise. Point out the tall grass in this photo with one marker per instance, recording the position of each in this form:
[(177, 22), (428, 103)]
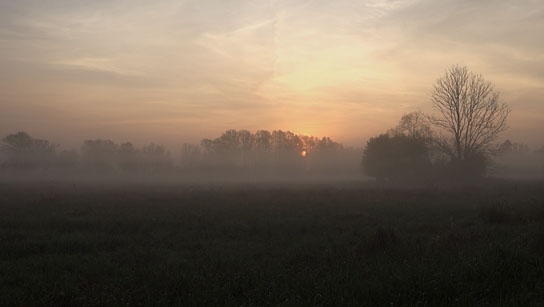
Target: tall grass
[(312, 245)]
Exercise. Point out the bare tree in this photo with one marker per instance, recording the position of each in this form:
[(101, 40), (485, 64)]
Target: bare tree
[(414, 125), (470, 114)]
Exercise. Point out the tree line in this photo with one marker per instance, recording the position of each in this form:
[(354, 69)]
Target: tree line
[(233, 150), (22, 152)]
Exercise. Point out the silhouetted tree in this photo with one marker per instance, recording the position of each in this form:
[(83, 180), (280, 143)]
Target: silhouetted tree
[(208, 146), (324, 154), (469, 116), (327, 145), (416, 126), (25, 152), (515, 160), (262, 144), (508, 147), (286, 147), (309, 142), (278, 151), (395, 157), (227, 149), (262, 140)]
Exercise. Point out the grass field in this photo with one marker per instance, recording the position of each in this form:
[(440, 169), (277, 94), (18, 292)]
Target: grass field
[(266, 245)]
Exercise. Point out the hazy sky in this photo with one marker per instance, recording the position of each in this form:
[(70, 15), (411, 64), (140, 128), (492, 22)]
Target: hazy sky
[(178, 71)]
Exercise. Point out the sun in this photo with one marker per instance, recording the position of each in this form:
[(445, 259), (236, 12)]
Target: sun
[(303, 153)]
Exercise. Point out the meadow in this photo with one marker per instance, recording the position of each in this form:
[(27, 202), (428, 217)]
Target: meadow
[(287, 244)]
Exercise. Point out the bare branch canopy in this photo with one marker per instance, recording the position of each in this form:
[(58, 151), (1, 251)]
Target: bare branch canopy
[(469, 115)]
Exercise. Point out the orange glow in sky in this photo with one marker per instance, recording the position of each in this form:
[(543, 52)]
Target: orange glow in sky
[(173, 71)]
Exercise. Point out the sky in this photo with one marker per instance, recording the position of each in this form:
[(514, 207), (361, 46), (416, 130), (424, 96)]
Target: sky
[(179, 71)]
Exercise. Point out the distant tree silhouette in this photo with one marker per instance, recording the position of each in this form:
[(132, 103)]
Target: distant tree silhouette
[(26, 152), (245, 144), (395, 157), (324, 154), (515, 160), (105, 155), (326, 144), (286, 148), (469, 117), (234, 151), (310, 142), (262, 144), (226, 151), (276, 151), (416, 126), (508, 147), (262, 141), (99, 155)]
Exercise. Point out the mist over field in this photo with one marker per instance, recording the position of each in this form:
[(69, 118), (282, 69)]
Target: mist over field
[(236, 155), (409, 153)]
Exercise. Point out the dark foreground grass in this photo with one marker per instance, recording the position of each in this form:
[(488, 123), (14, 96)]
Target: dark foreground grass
[(84, 245)]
